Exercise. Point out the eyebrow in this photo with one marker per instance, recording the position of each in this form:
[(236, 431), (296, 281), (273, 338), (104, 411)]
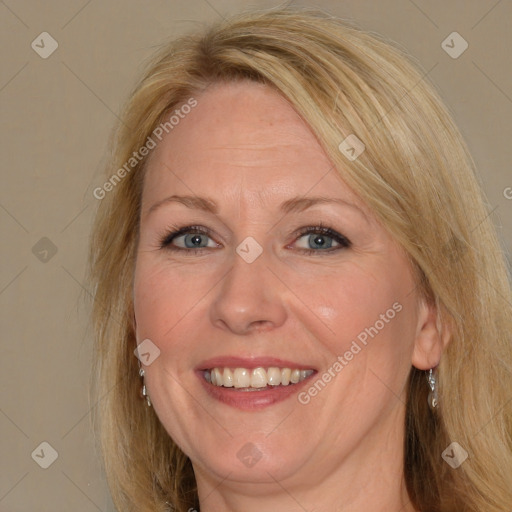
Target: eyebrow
[(296, 204), (193, 202), (299, 204)]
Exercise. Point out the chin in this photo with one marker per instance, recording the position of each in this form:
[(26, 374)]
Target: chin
[(253, 459)]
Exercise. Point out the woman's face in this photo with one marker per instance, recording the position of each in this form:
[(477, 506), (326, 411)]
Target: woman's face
[(277, 265)]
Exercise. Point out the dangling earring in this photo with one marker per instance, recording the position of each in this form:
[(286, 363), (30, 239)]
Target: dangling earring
[(144, 391), (433, 399)]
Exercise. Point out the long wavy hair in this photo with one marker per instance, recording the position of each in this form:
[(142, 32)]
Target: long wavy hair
[(417, 177)]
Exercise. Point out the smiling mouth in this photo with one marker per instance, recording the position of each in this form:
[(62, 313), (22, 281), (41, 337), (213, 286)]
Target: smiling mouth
[(256, 379)]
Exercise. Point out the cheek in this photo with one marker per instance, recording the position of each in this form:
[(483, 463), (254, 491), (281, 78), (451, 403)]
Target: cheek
[(150, 299), (352, 300), (365, 320), (163, 297)]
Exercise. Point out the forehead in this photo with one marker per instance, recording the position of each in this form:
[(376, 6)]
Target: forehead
[(242, 139)]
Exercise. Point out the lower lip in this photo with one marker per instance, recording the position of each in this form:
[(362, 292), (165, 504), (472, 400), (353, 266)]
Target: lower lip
[(251, 400)]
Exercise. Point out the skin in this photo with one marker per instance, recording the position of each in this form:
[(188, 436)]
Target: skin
[(245, 147)]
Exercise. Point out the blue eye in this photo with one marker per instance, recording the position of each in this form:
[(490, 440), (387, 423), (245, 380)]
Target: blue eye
[(192, 241), (190, 237), (318, 241), (321, 239)]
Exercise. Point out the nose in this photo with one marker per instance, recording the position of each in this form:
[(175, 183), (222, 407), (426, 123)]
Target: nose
[(249, 298)]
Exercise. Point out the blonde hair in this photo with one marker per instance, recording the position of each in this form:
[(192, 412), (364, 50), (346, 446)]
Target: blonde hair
[(416, 176)]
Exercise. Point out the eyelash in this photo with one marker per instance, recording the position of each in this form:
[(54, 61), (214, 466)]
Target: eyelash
[(320, 229)]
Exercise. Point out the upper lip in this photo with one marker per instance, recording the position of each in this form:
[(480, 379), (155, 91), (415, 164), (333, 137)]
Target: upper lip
[(250, 363)]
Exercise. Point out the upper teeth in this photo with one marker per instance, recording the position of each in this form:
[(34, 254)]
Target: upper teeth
[(256, 378)]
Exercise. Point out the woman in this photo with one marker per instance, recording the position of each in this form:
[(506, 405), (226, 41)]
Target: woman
[(294, 267)]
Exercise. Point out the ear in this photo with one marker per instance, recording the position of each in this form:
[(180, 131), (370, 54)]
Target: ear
[(432, 336)]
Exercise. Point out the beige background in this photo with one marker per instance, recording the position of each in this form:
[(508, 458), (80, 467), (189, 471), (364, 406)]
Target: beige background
[(56, 116)]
